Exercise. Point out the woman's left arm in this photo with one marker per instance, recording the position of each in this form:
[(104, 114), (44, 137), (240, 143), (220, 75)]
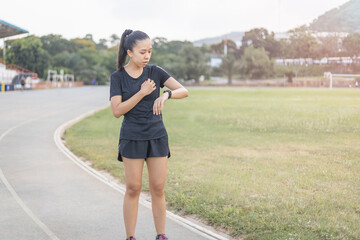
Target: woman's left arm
[(177, 91)]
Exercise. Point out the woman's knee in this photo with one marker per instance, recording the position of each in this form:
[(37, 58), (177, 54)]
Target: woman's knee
[(157, 189), (133, 189), (133, 175)]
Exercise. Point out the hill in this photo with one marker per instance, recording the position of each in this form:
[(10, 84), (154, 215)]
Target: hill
[(345, 18), (235, 36)]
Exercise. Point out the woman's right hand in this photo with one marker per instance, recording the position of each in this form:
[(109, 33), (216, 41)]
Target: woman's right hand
[(148, 87)]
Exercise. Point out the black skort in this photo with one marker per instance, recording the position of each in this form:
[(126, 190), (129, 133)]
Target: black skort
[(158, 147)]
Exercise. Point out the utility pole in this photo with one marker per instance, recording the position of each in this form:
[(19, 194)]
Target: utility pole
[(4, 50), (279, 10)]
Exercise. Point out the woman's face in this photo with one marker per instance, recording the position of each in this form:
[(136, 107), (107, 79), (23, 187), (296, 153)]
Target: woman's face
[(141, 53)]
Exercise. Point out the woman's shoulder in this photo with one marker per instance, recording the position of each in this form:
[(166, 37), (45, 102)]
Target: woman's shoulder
[(149, 66), (116, 74), (162, 73), (156, 68)]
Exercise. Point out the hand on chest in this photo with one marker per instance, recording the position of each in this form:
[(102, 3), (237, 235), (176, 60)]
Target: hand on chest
[(130, 87)]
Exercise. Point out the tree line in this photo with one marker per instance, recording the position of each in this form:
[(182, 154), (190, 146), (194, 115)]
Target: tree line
[(254, 59)]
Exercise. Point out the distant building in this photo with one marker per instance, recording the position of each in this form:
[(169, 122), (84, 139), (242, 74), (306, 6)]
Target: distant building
[(322, 61), (215, 60), (316, 35)]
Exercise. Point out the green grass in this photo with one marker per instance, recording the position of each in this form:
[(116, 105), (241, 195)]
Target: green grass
[(258, 163)]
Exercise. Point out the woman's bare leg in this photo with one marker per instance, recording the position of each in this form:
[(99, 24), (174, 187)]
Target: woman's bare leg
[(133, 176), (157, 167)]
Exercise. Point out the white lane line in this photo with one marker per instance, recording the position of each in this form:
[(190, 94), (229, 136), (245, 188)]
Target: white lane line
[(16, 196), (142, 200), (26, 209), (10, 129)]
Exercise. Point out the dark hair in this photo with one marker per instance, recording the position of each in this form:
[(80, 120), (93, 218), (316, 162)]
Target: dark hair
[(128, 41)]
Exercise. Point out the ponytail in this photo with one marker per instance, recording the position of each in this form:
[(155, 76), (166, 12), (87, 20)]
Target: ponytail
[(127, 42), (122, 49)]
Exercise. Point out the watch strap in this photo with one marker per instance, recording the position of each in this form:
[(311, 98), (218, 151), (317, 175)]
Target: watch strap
[(168, 91)]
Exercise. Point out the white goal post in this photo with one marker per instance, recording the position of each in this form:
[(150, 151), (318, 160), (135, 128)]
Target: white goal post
[(331, 75)]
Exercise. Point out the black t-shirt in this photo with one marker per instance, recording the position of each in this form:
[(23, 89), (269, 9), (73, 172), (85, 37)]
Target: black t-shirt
[(140, 123)]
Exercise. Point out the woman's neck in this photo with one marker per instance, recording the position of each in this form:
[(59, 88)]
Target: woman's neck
[(131, 67)]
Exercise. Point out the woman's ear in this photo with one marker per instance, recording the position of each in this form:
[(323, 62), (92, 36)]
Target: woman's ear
[(129, 52)]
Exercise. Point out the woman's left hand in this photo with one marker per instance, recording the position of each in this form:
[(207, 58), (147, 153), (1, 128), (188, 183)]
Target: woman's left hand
[(159, 103)]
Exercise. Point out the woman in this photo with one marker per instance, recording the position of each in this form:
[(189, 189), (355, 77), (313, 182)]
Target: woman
[(135, 93)]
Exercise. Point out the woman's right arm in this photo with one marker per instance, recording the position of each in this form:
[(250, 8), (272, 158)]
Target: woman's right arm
[(119, 108)]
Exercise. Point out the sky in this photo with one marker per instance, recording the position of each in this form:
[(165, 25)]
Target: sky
[(173, 19)]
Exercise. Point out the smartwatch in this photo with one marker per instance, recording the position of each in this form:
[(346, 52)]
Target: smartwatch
[(168, 91)]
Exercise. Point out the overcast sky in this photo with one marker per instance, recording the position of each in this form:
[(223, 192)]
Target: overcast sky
[(173, 19)]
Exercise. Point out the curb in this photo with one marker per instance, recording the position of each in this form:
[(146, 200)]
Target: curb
[(113, 184)]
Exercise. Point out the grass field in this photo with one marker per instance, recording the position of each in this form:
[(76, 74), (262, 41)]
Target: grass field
[(258, 163)]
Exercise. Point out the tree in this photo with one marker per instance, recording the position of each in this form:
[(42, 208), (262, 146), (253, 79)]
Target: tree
[(329, 46), (352, 44), (218, 48), (114, 40), (172, 63), (290, 75), (101, 74), (84, 43), (260, 38), (285, 48), (302, 43), (159, 46), (255, 63), (166, 54), (102, 45), (77, 62), (229, 58), (91, 56), (55, 44), (28, 53), (109, 59), (194, 63), (62, 59), (228, 63), (162, 46), (89, 37)]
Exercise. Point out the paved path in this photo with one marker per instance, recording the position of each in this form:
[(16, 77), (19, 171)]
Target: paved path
[(45, 195)]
